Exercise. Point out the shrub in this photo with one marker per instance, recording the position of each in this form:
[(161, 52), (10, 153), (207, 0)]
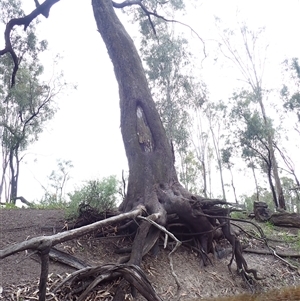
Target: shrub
[(98, 194)]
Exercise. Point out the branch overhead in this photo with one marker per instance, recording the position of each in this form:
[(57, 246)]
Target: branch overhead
[(155, 14), (41, 9)]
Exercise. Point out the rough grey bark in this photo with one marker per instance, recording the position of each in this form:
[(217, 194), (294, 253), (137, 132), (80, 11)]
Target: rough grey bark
[(279, 197), (149, 153)]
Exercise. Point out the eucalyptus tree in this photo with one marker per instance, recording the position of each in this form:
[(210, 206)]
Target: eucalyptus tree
[(252, 165), (250, 61), (28, 104), (253, 133), (226, 155), (168, 66), (291, 194), (290, 94), (153, 185), (215, 116), (200, 142), (58, 180)]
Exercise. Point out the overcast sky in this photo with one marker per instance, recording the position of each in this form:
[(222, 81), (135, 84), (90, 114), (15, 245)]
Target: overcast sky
[(86, 128)]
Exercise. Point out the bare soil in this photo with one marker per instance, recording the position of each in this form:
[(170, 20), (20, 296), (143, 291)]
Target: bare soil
[(19, 273)]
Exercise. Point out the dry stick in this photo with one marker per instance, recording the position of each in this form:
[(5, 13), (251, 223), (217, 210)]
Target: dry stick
[(283, 260), (178, 243), (44, 255)]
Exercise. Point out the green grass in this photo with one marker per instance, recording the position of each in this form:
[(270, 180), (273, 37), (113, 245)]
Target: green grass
[(238, 215)]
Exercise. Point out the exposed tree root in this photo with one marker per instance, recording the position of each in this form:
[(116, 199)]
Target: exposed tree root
[(130, 272)]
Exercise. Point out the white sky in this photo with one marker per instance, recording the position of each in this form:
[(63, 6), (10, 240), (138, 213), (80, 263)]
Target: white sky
[(86, 128)]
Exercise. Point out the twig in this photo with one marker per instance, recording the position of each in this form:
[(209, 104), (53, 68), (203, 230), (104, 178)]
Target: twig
[(283, 260)]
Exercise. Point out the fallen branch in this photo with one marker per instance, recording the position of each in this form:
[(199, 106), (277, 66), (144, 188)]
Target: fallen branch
[(68, 259), (43, 242)]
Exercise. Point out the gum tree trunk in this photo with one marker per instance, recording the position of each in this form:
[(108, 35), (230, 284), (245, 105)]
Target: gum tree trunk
[(149, 153)]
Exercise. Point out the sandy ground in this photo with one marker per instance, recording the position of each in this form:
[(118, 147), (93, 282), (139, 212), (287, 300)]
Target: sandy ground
[(20, 271)]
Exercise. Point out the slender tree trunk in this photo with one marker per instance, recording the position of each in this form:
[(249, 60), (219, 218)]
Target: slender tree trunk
[(255, 181), (14, 164), (273, 190), (232, 185), (209, 171), (4, 169), (13, 184), (219, 160), (183, 171), (201, 151), (204, 177), (279, 191)]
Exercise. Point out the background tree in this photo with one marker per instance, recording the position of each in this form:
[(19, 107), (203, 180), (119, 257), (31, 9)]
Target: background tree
[(58, 178), (226, 155), (168, 69), (253, 134), (250, 61), (28, 104), (290, 94), (291, 194), (201, 141), (215, 114)]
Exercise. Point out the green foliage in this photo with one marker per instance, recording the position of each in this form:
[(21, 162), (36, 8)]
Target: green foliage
[(226, 155), (290, 91), (54, 197), (59, 178), (189, 172), (238, 215), (50, 202), (29, 104), (291, 194), (168, 66), (99, 194), (264, 196), (269, 225), (252, 131)]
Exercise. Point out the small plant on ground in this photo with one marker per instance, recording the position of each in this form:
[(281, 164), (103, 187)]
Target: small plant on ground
[(268, 228), (238, 214), (9, 206), (50, 201)]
